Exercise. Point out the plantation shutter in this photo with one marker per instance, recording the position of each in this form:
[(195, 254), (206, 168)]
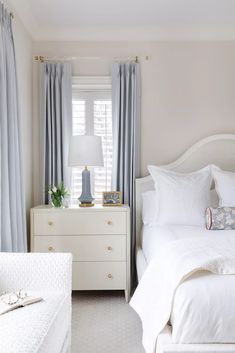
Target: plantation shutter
[(92, 115)]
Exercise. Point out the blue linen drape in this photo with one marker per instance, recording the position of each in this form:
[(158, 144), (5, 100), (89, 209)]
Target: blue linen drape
[(126, 137), (12, 203), (55, 124)]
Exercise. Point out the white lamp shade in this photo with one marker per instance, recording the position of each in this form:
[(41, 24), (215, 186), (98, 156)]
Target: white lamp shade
[(86, 150)]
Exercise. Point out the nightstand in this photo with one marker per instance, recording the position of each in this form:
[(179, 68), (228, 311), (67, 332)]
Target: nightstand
[(98, 238)]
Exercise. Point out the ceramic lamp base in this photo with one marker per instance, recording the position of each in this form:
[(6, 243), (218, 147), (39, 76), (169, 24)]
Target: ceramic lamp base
[(86, 204), (86, 199)]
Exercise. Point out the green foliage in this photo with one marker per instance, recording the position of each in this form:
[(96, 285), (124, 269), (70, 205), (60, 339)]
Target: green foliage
[(58, 193)]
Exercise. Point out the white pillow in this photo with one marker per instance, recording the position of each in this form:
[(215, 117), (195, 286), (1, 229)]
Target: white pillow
[(214, 203), (225, 186), (149, 207), (183, 198)]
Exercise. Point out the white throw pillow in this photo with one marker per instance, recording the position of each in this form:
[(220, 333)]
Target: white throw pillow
[(225, 186), (149, 207), (183, 198)]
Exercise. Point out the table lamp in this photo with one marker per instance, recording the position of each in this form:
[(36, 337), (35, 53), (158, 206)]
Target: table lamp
[(86, 150)]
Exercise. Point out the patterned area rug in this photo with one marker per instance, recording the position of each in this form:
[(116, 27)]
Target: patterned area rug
[(104, 323)]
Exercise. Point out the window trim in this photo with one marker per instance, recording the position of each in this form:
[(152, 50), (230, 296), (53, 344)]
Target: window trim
[(90, 83)]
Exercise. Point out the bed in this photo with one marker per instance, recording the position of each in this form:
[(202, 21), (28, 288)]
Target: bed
[(218, 150)]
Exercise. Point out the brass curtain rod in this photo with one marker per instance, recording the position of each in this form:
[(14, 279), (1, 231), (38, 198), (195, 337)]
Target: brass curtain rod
[(41, 58)]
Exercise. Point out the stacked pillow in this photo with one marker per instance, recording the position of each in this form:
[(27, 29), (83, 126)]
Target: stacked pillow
[(182, 198), (225, 186)]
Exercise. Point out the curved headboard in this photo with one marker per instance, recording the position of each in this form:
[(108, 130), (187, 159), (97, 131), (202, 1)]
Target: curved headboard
[(216, 149)]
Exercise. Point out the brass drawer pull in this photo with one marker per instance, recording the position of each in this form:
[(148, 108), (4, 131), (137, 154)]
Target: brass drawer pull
[(109, 248), (109, 223), (51, 249), (50, 223), (110, 276)]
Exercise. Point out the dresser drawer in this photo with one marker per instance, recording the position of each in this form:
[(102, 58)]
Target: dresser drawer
[(74, 223), (99, 275), (85, 248)]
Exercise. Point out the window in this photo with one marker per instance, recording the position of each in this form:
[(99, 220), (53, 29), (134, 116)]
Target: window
[(92, 115)]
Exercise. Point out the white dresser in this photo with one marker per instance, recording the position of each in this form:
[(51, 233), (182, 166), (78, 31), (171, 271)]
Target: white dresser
[(98, 238)]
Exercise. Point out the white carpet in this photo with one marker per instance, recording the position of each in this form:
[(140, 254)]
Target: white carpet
[(104, 323)]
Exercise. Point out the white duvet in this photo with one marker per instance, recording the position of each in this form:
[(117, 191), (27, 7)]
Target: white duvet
[(178, 277)]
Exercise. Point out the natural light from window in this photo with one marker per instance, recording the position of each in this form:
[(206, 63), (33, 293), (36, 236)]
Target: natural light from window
[(92, 115)]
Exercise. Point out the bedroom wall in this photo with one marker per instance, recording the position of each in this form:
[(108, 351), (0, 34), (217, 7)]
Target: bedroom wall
[(23, 49), (188, 89)]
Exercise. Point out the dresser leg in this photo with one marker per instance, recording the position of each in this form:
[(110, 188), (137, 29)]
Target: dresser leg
[(127, 295)]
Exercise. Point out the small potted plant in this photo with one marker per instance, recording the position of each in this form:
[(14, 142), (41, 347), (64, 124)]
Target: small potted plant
[(57, 194)]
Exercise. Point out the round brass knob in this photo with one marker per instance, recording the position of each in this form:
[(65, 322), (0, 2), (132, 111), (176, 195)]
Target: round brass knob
[(109, 248), (50, 248), (50, 223), (110, 275), (110, 223)]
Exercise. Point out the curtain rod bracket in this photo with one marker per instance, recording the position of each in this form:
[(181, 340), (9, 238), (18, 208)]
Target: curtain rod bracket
[(136, 59), (39, 58), (12, 15)]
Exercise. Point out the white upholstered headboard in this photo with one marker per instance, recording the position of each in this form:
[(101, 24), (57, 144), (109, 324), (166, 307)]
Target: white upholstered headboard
[(216, 149)]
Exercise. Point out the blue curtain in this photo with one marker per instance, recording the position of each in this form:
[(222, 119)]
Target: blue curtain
[(126, 136), (12, 203), (55, 124)]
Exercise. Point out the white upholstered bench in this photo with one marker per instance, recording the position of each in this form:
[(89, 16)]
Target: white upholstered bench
[(45, 326)]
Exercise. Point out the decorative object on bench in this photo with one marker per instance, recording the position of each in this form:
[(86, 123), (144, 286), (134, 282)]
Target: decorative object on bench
[(220, 218), (14, 300), (58, 194), (86, 150), (112, 198)]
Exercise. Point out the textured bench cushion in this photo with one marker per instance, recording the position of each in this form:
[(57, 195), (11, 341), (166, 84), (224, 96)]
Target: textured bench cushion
[(38, 327)]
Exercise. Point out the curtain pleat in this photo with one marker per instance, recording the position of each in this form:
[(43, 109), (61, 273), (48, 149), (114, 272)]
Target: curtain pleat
[(126, 137), (12, 203), (55, 124)]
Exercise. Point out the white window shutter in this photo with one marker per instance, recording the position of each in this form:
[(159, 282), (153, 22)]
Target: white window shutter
[(92, 114)]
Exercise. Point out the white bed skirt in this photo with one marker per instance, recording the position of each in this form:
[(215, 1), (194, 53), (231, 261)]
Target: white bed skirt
[(165, 345)]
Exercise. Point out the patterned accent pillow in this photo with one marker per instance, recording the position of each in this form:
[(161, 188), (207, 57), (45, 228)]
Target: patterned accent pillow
[(220, 218)]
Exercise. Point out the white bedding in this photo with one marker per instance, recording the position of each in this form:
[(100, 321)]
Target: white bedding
[(203, 310), (153, 237)]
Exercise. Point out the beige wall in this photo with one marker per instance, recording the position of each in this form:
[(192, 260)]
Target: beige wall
[(23, 48), (188, 89)]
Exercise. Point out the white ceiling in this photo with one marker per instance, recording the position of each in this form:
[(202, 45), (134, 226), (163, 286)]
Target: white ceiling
[(72, 19)]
